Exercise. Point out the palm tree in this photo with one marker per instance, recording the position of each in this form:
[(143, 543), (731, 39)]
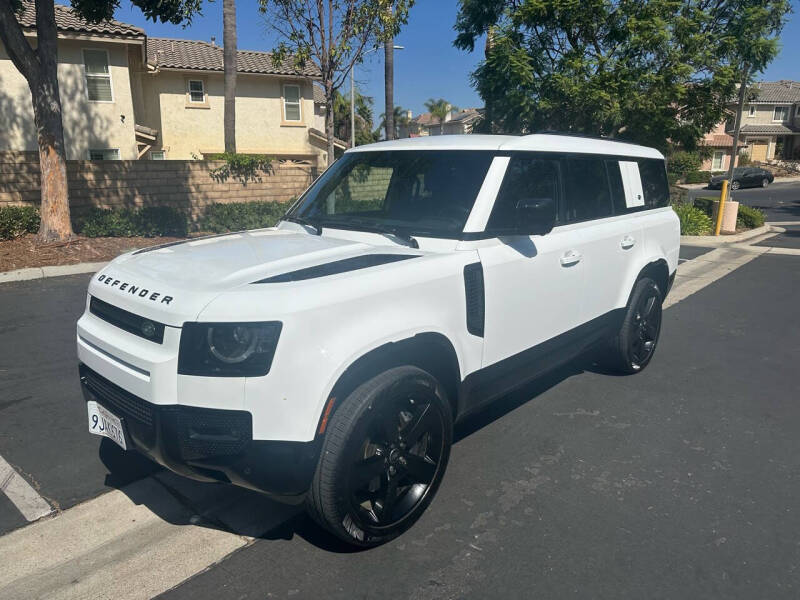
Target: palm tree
[(229, 65), (399, 117), (439, 109)]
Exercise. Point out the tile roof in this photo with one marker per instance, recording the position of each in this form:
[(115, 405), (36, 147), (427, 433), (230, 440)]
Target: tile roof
[(465, 115), (202, 56), (770, 129), (720, 140), (68, 20), (777, 91), (319, 94)]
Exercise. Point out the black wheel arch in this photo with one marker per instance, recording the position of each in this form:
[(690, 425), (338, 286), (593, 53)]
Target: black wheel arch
[(656, 270), (431, 352)]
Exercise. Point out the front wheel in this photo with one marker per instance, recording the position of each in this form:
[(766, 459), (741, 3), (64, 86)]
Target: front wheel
[(735, 185), (632, 348), (383, 457)]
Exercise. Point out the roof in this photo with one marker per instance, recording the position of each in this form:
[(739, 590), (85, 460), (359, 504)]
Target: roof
[(197, 55), (776, 129), (465, 115), (720, 140), (68, 20), (425, 119), (319, 94), (319, 135), (777, 91), (537, 142)]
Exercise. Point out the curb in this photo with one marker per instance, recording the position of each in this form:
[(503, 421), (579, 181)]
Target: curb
[(723, 240), (45, 272)]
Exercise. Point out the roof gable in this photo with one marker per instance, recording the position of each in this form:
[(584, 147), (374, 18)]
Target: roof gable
[(785, 91)]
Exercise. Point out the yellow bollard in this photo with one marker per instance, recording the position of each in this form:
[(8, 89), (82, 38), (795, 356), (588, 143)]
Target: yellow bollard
[(722, 197)]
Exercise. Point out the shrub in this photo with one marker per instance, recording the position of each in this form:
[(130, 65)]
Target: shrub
[(749, 218), (693, 220), (683, 162), (242, 167), (151, 221), (697, 177), (237, 216), (706, 205), (18, 220), (672, 178), (744, 160)]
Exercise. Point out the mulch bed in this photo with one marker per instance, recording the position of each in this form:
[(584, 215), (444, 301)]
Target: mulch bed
[(24, 251)]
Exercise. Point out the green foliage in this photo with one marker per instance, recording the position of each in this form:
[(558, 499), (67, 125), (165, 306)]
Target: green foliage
[(439, 108), (693, 220), (683, 162), (672, 178), (656, 72), (749, 218), (18, 220), (242, 167), (706, 205), (341, 117), (697, 177), (238, 216), (150, 221), (744, 160), (401, 119)]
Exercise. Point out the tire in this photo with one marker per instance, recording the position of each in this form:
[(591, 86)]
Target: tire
[(735, 185), (764, 182), (383, 457), (631, 350)]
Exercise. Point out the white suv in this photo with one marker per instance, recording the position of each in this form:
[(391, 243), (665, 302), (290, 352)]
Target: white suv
[(325, 360)]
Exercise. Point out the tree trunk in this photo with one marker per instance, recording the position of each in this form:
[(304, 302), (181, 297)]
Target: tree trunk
[(389, 87), (229, 63), (329, 120), (737, 123)]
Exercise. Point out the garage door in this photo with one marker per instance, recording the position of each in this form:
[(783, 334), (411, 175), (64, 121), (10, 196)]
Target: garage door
[(759, 152)]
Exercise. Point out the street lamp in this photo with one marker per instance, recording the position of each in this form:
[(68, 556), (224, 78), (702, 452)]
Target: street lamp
[(353, 98)]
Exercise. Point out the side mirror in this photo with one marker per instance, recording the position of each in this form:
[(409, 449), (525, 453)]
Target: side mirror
[(536, 216)]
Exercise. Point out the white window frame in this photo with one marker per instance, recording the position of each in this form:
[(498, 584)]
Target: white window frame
[(99, 75), (189, 91), (163, 154), (89, 153), (752, 111), (721, 166), (299, 102), (775, 110)]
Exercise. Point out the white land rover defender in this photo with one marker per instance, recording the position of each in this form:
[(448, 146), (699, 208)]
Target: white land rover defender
[(325, 360)]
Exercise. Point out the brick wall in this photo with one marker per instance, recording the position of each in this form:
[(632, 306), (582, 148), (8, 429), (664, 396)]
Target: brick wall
[(186, 184)]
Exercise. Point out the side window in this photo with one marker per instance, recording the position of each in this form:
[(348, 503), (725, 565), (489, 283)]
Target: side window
[(586, 188), (617, 188), (526, 178), (654, 182)]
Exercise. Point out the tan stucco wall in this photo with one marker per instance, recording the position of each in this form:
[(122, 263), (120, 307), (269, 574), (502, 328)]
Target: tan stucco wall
[(764, 114), (185, 130), (86, 124)]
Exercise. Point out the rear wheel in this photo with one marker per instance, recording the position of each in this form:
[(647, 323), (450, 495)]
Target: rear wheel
[(764, 182), (383, 457), (632, 348), (735, 185)]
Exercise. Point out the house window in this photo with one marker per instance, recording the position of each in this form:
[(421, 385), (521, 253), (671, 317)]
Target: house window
[(716, 162), (104, 154), (291, 103), (197, 92), (98, 76), (158, 155), (781, 113), (752, 111)]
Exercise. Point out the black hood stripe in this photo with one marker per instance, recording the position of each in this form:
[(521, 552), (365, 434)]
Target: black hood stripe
[(336, 267)]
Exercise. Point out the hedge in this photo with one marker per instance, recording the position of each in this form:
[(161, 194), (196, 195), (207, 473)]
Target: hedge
[(697, 177), (237, 216), (150, 221), (693, 220), (18, 220)]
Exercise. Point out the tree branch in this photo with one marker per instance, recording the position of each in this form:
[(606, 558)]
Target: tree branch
[(18, 48)]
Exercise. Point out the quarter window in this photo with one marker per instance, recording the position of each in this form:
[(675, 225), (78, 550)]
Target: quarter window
[(197, 92), (654, 182), (291, 103), (98, 76), (586, 190), (527, 178), (781, 113)]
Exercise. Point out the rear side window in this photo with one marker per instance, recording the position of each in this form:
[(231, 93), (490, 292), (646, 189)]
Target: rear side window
[(654, 182), (586, 190), (526, 178)]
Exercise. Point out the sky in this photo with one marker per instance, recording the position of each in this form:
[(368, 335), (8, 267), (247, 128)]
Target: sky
[(428, 66)]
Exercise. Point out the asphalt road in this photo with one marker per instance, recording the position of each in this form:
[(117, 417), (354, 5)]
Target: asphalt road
[(678, 482), (780, 201)]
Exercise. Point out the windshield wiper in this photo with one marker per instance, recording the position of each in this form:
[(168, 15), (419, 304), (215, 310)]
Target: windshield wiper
[(302, 221), (386, 229)]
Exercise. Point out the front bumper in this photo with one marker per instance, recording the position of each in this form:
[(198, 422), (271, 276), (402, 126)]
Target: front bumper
[(207, 444)]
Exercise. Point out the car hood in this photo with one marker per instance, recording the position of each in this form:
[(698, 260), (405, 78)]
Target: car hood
[(173, 283)]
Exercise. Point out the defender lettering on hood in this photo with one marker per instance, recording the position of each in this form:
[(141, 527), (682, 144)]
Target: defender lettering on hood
[(134, 290)]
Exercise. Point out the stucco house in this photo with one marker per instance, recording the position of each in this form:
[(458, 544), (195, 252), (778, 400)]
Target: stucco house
[(456, 122), (720, 144), (771, 121), (127, 96)]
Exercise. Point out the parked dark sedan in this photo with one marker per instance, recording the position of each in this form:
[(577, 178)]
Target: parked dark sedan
[(743, 177)]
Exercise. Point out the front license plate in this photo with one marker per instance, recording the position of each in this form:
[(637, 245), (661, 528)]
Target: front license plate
[(102, 422)]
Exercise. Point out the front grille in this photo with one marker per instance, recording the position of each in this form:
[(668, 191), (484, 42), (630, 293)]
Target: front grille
[(205, 432), (132, 323), (117, 400)]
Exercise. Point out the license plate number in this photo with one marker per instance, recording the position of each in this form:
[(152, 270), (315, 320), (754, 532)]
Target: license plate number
[(102, 422)]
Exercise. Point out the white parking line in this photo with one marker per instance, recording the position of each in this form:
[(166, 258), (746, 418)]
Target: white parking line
[(24, 497)]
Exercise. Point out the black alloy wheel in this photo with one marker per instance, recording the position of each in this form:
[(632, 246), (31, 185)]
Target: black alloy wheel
[(646, 327), (735, 185), (764, 182)]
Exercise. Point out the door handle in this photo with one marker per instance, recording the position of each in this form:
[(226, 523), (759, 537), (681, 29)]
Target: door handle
[(570, 258), (627, 242)]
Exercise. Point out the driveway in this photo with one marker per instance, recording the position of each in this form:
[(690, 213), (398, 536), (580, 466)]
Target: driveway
[(780, 201)]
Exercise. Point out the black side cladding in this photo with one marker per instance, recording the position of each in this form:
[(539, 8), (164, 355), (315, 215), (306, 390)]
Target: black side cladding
[(336, 267), (476, 301)]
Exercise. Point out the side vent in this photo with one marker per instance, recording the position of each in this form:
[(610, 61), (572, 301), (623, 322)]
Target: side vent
[(473, 288)]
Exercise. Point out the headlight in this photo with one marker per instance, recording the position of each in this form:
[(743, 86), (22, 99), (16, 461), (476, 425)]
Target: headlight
[(228, 349)]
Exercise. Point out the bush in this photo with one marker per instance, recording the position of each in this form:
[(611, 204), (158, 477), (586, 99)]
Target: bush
[(151, 221), (693, 220), (242, 167), (18, 220), (744, 160), (697, 177), (683, 162), (706, 205), (672, 178), (237, 216), (749, 218)]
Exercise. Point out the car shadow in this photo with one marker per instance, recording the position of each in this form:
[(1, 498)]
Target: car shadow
[(182, 501)]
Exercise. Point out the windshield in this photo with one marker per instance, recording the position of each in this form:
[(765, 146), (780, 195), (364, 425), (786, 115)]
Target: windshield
[(412, 192)]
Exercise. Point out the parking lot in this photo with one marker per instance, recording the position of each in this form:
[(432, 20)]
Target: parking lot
[(780, 201), (678, 482)]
